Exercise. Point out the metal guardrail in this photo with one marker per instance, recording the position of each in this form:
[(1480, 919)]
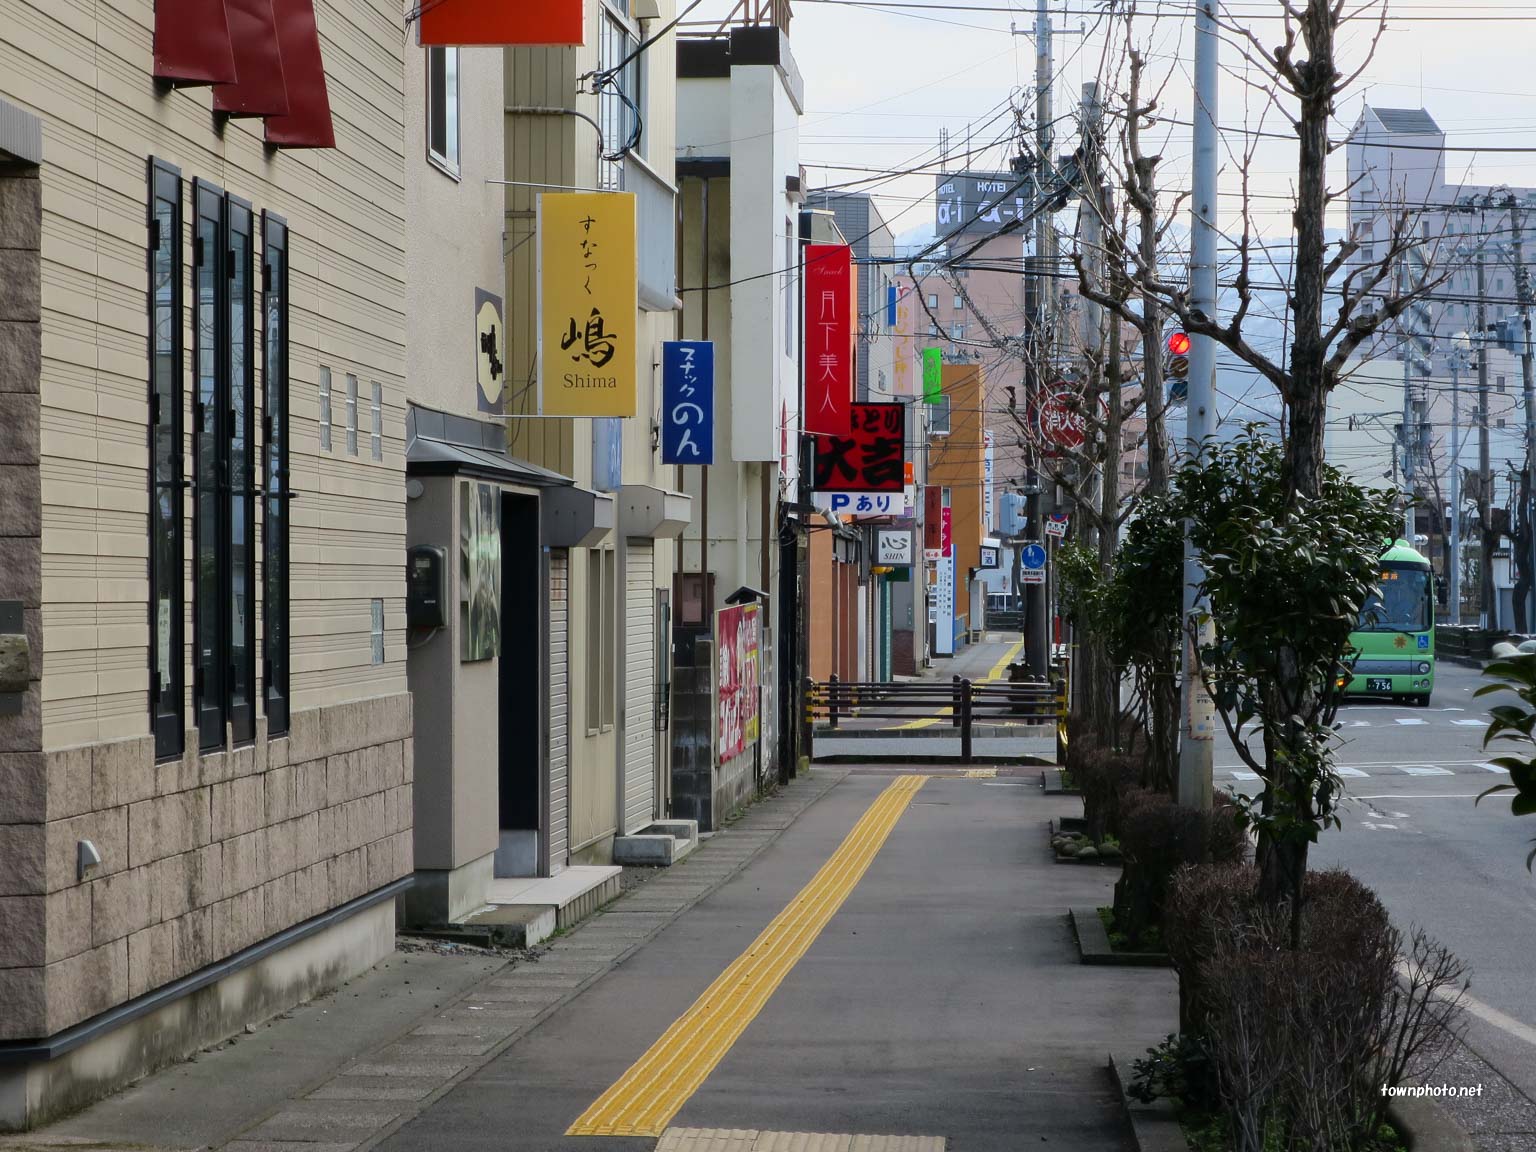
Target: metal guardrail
[(962, 702)]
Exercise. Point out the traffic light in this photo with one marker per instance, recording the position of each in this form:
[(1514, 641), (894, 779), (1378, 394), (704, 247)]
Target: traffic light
[(1176, 362), (1176, 365)]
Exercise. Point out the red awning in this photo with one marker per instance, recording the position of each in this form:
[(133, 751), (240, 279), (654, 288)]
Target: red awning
[(308, 122), (499, 22), (260, 91), (192, 42)]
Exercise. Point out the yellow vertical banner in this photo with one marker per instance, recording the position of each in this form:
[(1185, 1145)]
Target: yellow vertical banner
[(588, 285)]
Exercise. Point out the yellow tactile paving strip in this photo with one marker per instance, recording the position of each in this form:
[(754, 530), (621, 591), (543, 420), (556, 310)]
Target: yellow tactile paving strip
[(749, 1140), (990, 677), (647, 1097)]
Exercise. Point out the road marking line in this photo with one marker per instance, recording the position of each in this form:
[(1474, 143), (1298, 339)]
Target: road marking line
[(1471, 723), (980, 773), (1486, 1012), (645, 1099), (1493, 768), (1420, 796), (997, 669), (1242, 775), (1342, 771), (1409, 720), (1423, 770), (995, 674)]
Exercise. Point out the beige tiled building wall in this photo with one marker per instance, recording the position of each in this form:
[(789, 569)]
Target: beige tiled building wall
[(210, 852)]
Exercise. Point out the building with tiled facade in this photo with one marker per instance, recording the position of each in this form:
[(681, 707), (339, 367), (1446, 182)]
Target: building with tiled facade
[(205, 731)]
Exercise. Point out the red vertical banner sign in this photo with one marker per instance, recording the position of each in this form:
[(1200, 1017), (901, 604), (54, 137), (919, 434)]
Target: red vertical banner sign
[(947, 535), (829, 332), (933, 513)]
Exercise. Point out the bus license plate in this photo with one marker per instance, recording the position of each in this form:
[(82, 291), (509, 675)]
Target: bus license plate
[(1378, 684)]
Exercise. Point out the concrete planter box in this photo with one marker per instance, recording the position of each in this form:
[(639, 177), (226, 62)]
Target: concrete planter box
[(1093, 945)]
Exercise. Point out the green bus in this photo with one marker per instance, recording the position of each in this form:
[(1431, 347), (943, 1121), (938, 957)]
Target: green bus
[(1394, 644)]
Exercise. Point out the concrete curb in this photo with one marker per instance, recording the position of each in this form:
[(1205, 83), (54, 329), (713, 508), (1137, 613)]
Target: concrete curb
[(1154, 1127), (1093, 945), (1050, 781), (1426, 1127)]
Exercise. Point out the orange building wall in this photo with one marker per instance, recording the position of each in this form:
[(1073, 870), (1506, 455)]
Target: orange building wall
[(956, 461)]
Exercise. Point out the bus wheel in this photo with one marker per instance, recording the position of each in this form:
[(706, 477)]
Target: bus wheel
[(1421, 701)]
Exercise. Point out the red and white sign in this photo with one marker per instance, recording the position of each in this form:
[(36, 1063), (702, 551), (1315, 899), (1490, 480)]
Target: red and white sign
[(1057, 525), (933, 529), (946, 533), (829, 296), (736, 645), (1062, 423)]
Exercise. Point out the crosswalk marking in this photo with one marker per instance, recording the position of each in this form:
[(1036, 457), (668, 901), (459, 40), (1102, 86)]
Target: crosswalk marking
[(1409, 720), (1354, 773), (1470, 723)]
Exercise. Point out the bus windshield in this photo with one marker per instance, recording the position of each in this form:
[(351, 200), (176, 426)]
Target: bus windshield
[(1401, 602)]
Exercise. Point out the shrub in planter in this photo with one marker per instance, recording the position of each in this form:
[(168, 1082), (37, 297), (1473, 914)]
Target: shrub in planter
[(1298, 1041), (1159, 837), (1104, 778)]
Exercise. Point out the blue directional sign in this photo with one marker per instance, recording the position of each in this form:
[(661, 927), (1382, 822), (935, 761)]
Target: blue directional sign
[(1032, 557), (688, 402)]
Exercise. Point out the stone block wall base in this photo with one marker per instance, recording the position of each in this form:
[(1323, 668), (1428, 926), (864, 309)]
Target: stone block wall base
[(447, 895), (36, 1092)]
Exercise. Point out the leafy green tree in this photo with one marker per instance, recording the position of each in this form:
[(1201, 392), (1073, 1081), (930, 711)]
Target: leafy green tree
[(1149, 575), (1286, 573), (1514, 722)]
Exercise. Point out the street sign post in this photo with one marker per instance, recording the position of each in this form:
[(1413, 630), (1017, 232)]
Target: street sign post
[(1032, 564)]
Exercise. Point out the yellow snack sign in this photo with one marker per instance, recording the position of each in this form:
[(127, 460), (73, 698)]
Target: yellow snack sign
[(588, 284)]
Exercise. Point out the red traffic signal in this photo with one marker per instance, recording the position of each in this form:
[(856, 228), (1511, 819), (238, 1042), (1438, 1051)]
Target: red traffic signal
[(1178, 343)]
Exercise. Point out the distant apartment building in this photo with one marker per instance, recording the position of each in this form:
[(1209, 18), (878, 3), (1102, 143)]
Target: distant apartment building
[(1397, 164)]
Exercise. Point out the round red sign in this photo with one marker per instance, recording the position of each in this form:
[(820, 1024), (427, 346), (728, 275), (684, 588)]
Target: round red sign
[(1062, 425)]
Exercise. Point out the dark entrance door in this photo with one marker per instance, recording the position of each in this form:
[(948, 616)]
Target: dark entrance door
[(521, 666)]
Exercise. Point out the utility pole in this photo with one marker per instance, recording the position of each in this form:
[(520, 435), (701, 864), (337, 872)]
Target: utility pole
[(1409, 426), (1527, 386), (1458, 342), (1037, 638), (1484, 468), (1198, 712)]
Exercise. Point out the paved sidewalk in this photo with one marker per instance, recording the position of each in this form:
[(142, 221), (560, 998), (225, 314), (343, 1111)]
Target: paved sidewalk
[(297, 1085), (943, 1003)]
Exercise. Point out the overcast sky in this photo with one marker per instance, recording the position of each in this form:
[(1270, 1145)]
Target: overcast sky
[(881, 84)]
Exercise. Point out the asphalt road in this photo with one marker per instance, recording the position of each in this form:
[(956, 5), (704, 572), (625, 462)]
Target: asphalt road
[(943, 998), (1412, 832)]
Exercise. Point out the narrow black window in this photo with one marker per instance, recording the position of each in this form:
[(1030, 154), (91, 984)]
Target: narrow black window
[(274, 529), (240, 589), (167, 603), (210, 335), (443, 108)]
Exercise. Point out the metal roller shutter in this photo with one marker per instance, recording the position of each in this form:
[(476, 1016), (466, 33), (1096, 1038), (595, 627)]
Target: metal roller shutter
[(639, 674), (558, 817)]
